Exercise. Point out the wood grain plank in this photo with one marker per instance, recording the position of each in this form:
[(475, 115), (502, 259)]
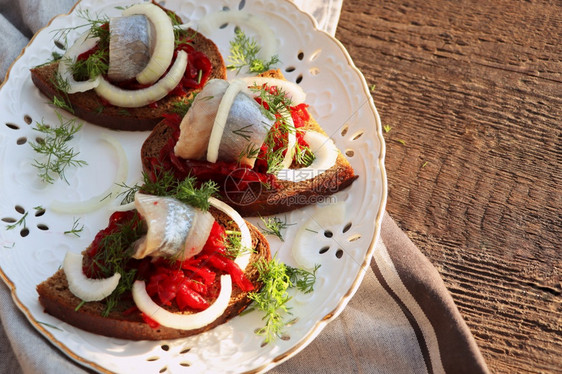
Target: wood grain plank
[(472, 92)]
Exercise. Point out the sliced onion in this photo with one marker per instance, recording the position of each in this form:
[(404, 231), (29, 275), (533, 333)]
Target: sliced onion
[(245, 236), (310, 234), (213, 21), (220, 119), (87, 289), (138, 98), (163, 52), (82, 44), (325, 153), (292, 90), (96, 202), (178, 320)]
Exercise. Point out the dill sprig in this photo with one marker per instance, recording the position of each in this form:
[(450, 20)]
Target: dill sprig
[(91, 21), (54, 151), (273, 297), (76, 228), (115, 250), (303, 155), (244, 53), (20, 222), (304, 280), (188, 191), (233, 244), (277, 278), (274, 226)]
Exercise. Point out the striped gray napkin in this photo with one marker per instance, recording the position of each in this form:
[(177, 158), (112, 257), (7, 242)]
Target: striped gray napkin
[(401, 320)]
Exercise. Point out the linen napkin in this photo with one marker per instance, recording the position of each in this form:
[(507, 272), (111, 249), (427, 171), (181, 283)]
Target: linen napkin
[(401, 320)]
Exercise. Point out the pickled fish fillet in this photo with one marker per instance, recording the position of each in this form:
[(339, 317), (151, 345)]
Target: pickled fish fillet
[(130, 46), (175, 229), (245, 129)]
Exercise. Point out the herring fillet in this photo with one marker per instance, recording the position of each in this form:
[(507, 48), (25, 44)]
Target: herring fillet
[(130, 46), (175, 229), (245, 130)]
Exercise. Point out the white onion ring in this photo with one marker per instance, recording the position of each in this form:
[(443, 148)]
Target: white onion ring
[(245, 237), (163, 52), (178, 320), (292, 90), (96, 202), (325, 152), (221, 117), (213, 21), (138, 98), (87, 289), (83, 44)]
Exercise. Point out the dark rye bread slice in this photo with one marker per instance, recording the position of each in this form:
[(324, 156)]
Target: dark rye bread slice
[(90, 107), (261, 200), (57, 300)]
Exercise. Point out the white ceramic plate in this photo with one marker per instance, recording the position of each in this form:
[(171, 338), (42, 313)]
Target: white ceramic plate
[(339, 99)]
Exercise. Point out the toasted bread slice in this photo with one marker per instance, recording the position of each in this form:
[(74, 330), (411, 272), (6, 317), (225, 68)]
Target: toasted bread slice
[(90, 107), (58, 301), (260, 200)]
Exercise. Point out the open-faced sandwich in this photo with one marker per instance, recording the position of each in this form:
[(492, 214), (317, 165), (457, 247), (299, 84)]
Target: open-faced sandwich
[(173, 266), (126, 72), (256, 139)]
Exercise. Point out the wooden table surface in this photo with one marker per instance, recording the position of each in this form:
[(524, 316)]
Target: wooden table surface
[(470, 93)]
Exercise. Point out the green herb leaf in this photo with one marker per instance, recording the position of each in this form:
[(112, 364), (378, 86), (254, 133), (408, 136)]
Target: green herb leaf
[(274, 226), (55, 153), (76, 228), (188, 191), (277, 278), (244, 53), (20, 222), (303, 279)]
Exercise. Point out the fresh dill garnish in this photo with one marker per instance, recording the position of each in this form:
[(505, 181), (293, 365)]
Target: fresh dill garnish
[(91, 22), (386, 128), (20, 222), (274, 226), (125, 284), (55, 56), (181, 35), (275, 159), (233, 244), (128, 192), (188, 191), (304, 155), (275, 105), (250, 151), (244, 53), (273, 297), (76, 228), (62, 86), (401, 141), (55, 153), (304, 280), (115, 250), (277, 278), (61, 103)]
